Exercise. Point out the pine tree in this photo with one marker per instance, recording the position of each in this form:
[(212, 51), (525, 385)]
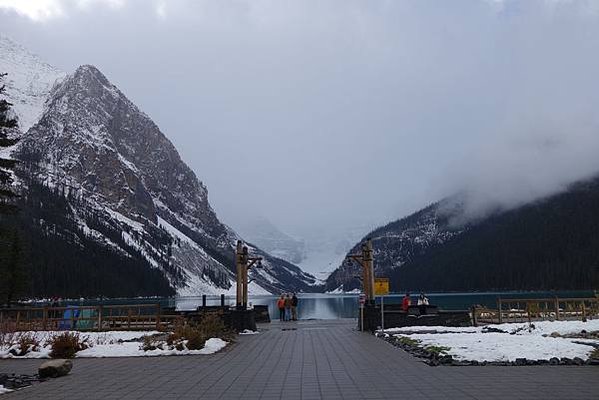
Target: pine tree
[(6, 124), (12, 270), (13, 276)]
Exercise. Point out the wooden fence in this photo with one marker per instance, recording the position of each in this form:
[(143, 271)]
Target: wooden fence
[(87, 318), (529, 310)]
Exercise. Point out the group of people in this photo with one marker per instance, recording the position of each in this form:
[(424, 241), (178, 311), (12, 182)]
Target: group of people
[(422, 303), (287, 305)]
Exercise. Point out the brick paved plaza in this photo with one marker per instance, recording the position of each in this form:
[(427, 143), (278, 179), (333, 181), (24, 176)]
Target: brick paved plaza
[(305, 360)]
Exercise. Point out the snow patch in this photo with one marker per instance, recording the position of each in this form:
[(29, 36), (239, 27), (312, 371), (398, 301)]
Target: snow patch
[(113, 344), (534, 344)]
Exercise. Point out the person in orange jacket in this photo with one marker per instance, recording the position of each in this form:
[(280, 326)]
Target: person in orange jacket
[(281, 307)]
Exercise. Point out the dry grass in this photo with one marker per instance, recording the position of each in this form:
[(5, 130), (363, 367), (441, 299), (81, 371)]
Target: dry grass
[(27, 343), (193, 335), (66, 345)]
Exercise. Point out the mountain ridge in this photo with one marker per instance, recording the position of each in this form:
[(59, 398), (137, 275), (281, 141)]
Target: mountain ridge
[(92, 142), (546, 244)]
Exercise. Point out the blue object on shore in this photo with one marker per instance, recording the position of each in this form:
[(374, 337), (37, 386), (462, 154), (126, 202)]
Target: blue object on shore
[(69, 319)]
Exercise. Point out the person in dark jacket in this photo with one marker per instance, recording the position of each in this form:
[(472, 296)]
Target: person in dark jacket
[(287, 307), (294, 302)]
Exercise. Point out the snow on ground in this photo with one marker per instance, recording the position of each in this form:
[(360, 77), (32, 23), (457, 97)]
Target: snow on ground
[(111, 344), (3, 390), (534, 344), (248, 332), (132, 349), (340, 291)]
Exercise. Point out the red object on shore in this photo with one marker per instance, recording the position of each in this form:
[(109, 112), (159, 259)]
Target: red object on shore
[(405, 303)]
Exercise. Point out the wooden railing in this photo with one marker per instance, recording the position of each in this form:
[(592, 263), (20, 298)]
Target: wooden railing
[(529, 310), (87, 318)]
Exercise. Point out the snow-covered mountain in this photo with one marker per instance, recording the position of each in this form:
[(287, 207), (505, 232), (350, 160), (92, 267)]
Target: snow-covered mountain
[(83, 136), (548, 244), (401, 241)]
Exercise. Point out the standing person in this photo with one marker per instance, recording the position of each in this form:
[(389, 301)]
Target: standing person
[(294, 302), (422, 303), (406, 302), (287, 307), (281, 307)]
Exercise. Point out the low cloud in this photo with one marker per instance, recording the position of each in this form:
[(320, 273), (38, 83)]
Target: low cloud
[(327, 114)]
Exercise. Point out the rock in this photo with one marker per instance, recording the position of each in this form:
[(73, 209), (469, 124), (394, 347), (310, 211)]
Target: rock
[(520, 361), (446, 360), (433, 362), (593, 361), (457, 363), (577, 361), (489, 329), (566, 361), (3, 378), (555, 334), (55, 368), (554, 361)]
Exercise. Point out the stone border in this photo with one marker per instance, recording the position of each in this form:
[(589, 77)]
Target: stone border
[(435, 359)]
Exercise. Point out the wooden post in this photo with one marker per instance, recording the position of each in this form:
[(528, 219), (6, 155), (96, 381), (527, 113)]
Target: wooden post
[(100, 309), (204, 300), (244, 274), (45, 319), (556, 309), (222, 300), (584, 312), (369, 264), (499, 306), (158, 312), (129, 318), (239, 274), (365, 278), (474, 316)]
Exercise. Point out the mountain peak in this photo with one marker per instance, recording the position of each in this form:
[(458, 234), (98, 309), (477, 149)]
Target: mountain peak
[(29, 81), (123, 173), (91, 72)]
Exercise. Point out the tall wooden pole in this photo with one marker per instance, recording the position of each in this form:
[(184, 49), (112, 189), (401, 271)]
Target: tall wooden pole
[(365, 273), (239, 275), (369, 261), (245, 277)]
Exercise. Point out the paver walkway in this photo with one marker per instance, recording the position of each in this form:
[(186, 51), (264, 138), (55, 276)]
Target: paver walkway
[(305, 360)]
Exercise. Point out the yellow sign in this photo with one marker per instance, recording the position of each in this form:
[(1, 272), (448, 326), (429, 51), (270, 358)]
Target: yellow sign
[(381, 286)]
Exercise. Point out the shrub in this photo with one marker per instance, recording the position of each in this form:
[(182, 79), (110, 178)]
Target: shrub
[(149, 343), (406, 341), (21, 344), (595, 354), (214, 327), (190, 332), (437, 350), (66, 345)]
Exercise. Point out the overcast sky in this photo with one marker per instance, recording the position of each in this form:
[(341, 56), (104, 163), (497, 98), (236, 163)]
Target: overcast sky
[(320, 114)]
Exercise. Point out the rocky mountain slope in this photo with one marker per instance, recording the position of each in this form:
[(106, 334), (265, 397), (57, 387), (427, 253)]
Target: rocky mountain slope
[(85, 140), (400, 242), (552, 243)]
